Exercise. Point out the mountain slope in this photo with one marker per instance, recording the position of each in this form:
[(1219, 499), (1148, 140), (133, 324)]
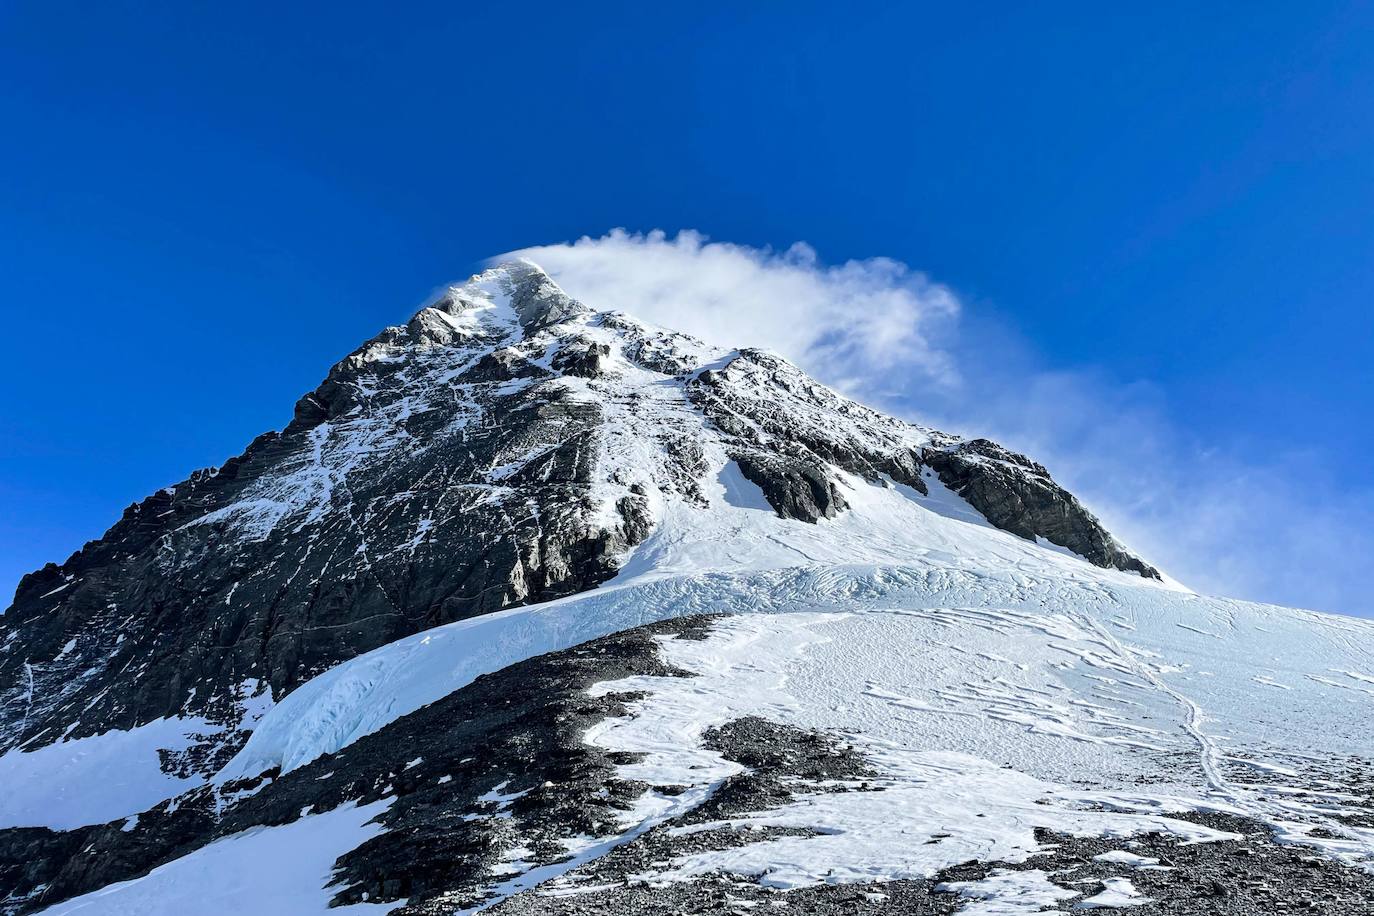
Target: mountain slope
[(354, 616), (505, 446)]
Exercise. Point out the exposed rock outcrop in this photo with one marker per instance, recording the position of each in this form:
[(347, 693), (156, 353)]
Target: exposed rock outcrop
[(1018, 495)]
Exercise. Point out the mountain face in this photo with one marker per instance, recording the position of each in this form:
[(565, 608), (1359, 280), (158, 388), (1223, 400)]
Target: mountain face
[(535, 607), (490, 453)]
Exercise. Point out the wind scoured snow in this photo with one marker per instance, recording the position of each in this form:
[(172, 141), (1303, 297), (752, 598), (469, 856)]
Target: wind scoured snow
[(924, 811), (266, 871)]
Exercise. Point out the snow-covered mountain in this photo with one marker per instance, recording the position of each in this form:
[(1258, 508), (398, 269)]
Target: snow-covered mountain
[(537, 608)]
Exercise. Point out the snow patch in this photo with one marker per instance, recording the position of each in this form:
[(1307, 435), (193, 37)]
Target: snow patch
[(1008, 893), (97, 779), (1116, 892), (266, 871)]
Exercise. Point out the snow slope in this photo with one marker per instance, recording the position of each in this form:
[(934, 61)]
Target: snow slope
[(101, 778), (996, 683), (733, 555), (961, 656), (96, 779), (269, 871)]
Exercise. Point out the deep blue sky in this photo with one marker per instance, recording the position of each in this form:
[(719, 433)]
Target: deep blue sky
[(203, 206)]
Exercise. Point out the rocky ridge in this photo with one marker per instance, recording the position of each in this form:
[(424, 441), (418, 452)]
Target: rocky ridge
[(508, 445)]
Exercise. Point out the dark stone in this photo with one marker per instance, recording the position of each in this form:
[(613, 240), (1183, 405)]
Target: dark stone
[(586, 360), (794, 489), (1202, 879), (1018, 495), (766, 407)]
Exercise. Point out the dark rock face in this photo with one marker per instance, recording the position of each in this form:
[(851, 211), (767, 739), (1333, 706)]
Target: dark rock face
[(763, 403), (587, 361), (437, 473), (787, 433), (794, 488), (1018, 495)]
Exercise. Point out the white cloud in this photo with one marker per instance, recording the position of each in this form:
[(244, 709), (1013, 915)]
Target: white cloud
[(849, 322), (1272, 527), (1265, 525)]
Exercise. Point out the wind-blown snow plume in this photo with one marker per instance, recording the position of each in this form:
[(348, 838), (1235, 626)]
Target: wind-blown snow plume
[(848, 322)]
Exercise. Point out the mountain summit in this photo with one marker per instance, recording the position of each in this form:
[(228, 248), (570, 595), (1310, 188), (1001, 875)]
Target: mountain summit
[(538, 607), (506, 446)]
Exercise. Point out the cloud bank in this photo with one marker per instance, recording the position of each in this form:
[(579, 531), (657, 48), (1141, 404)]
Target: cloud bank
[(1276, 527)]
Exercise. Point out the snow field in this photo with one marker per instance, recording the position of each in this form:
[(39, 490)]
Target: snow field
[(927, 809)]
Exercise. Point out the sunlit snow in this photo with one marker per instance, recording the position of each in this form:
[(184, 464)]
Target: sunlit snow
[(267, 871), (995, 684)]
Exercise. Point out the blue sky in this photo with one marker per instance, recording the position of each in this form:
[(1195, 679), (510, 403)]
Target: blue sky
[(1157, 224)]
